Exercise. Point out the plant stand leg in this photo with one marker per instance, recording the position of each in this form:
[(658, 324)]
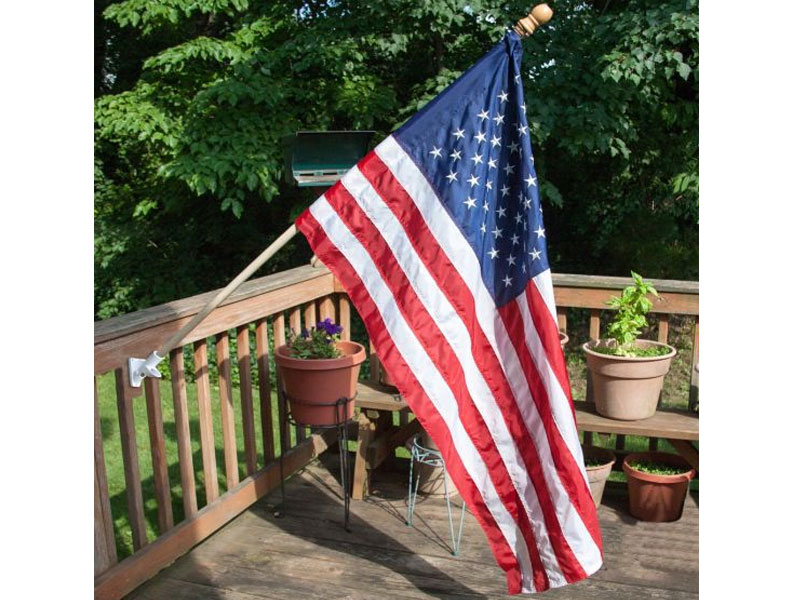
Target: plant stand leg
[(410, 507), (456, 540), (344, 466)]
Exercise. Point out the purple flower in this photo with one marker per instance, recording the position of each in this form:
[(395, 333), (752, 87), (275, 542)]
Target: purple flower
[(304, 333), (329, 327)]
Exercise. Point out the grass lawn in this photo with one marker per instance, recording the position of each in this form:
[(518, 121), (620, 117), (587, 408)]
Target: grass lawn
[(109, 424), (676, 392)]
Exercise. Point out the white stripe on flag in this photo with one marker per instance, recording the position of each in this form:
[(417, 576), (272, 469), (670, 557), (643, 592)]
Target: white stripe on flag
[(462, 256), (544, 283), (429, 378), (455, 332), (562, 415)]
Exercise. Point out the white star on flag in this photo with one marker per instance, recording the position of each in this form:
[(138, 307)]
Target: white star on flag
[(437, 152)]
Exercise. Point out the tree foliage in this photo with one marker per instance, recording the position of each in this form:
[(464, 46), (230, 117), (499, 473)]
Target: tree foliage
[(194, 96)]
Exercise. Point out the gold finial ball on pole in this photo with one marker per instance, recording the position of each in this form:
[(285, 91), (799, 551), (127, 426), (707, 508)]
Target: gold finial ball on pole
[(539, 15)]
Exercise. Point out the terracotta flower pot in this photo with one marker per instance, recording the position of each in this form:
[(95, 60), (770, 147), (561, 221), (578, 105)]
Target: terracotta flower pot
[(385, 378), (312, 386), (653, 497), (563, 338), (627, 388), (598, 475)]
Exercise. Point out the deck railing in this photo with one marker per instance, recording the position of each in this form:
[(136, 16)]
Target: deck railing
[(256, 319)]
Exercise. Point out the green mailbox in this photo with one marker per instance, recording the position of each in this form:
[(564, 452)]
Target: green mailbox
[(320, 158)]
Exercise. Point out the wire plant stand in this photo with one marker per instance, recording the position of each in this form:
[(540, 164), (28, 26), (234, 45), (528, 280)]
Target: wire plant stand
[(341, 422), (428, 456)]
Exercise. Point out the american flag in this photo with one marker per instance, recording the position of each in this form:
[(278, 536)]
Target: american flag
[(437, 235)]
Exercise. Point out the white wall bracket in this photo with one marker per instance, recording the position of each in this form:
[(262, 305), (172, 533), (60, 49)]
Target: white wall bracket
[(139, 368)]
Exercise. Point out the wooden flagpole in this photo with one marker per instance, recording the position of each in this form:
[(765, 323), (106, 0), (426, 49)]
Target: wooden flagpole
[(139, 368), (539, 15)]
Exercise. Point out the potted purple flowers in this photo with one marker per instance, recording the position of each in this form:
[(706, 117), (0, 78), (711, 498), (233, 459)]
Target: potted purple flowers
[(318, 370)]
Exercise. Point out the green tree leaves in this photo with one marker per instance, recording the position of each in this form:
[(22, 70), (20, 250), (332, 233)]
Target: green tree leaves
[(195, 96)]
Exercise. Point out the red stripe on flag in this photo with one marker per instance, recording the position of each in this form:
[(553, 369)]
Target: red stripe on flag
[(442, 356), (569, 472), (412, 392), (459, 295), (548, 334)]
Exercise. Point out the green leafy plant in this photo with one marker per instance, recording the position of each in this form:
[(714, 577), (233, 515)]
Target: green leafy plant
[(656, 468), (631, 307), (319, 342), (593, 462)]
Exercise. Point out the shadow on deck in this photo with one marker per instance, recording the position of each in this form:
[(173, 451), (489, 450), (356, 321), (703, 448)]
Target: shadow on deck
[(307, 553)]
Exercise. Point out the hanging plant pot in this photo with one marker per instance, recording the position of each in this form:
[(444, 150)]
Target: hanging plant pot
[(599, 462), (313, 386), (655, 496), (627, 387)]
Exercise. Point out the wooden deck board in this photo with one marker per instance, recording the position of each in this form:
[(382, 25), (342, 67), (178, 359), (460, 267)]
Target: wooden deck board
[(307, 554), (674, 424), (378, 397)]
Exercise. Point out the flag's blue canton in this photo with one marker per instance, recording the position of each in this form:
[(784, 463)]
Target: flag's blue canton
[(472, 142)]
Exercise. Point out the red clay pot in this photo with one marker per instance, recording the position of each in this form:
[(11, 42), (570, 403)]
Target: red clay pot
[(385, 378), (313, 385), (627, 388), (658, 498), (598, 475)]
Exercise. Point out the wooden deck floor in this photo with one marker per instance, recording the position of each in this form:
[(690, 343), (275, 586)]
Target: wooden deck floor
[(307, 553)]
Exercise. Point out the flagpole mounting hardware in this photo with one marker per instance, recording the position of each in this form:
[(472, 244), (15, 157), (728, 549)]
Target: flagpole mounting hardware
[(139, 368), (539, 15)]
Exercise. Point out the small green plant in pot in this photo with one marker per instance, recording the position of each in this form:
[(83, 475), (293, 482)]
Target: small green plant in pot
[(598, 462), (657, 485), (318, 369), (628, 372)]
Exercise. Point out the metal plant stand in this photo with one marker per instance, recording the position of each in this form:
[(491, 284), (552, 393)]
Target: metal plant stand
[(342, 421), (428, 456)]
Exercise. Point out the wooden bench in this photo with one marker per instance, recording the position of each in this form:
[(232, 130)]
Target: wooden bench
[(378, 436), (679, 428)]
